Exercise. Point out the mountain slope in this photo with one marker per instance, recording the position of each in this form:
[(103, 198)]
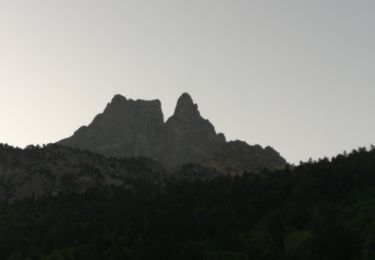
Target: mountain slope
[(38, 172)]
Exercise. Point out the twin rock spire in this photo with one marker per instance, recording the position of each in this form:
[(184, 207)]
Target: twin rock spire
[(185, 105), (129, 128)]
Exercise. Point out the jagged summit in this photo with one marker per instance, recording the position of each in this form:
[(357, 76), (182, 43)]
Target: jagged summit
[(186, 106), (117, 102), (185, 98), (126, 128), (131, 128), (121, 102), (118, 99)]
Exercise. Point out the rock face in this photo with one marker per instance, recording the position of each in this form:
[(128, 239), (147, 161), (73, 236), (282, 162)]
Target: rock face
[(126, 128), (189, 137), (129, 128)]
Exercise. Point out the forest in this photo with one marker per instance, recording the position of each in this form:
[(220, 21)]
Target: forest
[(318, 210)]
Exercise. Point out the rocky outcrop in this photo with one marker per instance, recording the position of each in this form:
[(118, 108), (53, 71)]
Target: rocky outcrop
[(236, 156), (189, 137), (129, 128), (126, 128)]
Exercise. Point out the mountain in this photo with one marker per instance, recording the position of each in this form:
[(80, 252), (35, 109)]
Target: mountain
[(126, 128), (132, 128)]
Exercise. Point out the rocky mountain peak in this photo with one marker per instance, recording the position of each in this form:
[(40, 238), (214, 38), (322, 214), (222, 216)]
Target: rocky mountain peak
[(123, 108), (118, 99), (186, 107), (131, 128), (117, 103), (126, 128)]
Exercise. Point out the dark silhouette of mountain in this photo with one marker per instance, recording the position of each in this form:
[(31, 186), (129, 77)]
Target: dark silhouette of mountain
[(126, 128), (129, 128)]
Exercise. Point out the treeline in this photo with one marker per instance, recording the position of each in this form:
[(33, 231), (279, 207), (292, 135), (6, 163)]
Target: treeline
[(321, 210)]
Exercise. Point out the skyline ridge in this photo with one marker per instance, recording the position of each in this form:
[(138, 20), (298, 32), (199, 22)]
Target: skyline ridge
[(133, 128)]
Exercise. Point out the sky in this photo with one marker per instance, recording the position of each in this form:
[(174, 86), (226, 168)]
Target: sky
[(298, 75)]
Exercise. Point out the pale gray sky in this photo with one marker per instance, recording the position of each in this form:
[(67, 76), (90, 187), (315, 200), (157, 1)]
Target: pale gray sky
[(296, 75)]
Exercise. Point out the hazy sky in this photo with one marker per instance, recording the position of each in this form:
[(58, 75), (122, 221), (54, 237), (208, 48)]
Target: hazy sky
[(297, 75)]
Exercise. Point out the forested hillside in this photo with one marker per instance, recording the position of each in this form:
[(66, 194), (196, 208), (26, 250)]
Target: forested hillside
[(317, 211), (38, 172)]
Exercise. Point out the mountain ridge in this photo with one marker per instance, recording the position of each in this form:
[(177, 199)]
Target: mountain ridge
[(132, 128)]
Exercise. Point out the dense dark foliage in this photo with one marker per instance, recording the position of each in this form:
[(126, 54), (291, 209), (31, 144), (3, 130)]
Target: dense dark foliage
[(37, 172), (318, 210)]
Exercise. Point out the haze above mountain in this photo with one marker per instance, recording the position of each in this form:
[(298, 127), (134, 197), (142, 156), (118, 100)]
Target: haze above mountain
[(136, 128)]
